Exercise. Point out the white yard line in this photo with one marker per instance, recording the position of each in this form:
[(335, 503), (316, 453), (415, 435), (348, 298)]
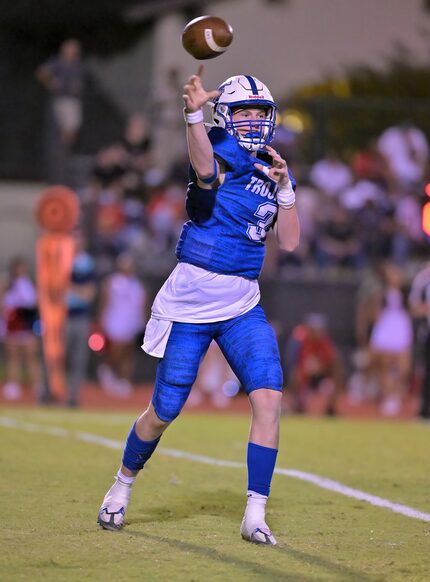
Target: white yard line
[(322, 482)]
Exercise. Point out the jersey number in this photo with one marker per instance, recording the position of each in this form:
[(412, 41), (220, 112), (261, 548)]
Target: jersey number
[(266, 213)]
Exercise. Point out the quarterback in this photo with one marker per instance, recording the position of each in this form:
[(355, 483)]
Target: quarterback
[(239, 188)]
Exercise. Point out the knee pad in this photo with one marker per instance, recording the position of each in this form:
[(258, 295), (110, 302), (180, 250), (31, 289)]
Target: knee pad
[(168, 399)]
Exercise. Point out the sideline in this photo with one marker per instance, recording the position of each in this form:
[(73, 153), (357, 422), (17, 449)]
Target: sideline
[(322, 482)]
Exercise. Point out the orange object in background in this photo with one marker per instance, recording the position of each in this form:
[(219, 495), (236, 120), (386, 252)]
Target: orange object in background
[(426, 213), (57, 213), (426, 218)]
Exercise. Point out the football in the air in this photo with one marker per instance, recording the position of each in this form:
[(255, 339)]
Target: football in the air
[(207, 37)]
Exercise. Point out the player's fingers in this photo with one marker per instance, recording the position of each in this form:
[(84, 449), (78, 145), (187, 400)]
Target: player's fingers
[(274, 154), (194, 83), (187, 88), (279, 162), (200, 70), (271, 151), (264, 169), (279, 174)]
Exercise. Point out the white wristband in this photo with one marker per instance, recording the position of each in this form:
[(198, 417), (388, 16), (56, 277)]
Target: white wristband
[(286, 196), (194, 116)]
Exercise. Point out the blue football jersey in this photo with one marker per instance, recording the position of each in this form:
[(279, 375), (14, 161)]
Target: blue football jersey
[(228, 225)]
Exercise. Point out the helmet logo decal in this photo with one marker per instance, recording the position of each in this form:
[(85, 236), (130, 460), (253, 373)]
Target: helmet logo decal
[(252, 84)]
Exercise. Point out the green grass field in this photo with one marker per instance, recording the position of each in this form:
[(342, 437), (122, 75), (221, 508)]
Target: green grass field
[(184, 517)]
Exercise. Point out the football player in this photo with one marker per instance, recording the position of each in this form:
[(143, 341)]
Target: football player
[(240, 187)]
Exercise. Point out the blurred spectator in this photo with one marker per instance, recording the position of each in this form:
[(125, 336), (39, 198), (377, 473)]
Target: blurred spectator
[(122, 318), (361, 382), (419, 300), (137, 142), (368, 303), (110, 164), (376, 226), (337, 243), (166, 215), (80, 299), (167, 108), (19, 307), (369, 164), (391, 342), (313, 364), (215, 380), (309, 210), (408, 237), (108, 216), (359, 193), (331, 175), (63, 77), (406, 151)]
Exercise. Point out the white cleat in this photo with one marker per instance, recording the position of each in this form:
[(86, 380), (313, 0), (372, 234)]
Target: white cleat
[(257, 533), (111, 516), (112, 511)]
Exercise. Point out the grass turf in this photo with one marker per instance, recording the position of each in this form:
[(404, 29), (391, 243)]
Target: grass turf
[(183, 521)]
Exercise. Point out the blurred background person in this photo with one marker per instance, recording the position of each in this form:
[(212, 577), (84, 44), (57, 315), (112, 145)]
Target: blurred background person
[(406, 151), (419, 301), (63, 77), (19, 307), (313, 365), (391, 342), (137, 142), (216, 382), (361, 383), (80, 299), (122, 317), (338, 243), (330, 175)]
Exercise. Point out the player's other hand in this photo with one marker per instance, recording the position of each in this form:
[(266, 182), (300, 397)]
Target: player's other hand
[(195, 95), (279, 170)]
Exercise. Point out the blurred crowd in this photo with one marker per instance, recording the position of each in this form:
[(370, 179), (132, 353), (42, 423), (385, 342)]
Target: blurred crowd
[(354, 210), (388, 365), (361, 215), (353, 214), (358, 212), (132, 205)]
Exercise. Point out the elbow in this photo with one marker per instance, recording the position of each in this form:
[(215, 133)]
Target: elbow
[(207, 175), (289, 245), (206, 178)]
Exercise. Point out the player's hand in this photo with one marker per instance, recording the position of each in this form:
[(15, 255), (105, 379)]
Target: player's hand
[(195, 95), (279, 170)]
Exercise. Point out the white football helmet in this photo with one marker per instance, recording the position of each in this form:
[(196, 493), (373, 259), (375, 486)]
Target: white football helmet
[(246, 91)]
